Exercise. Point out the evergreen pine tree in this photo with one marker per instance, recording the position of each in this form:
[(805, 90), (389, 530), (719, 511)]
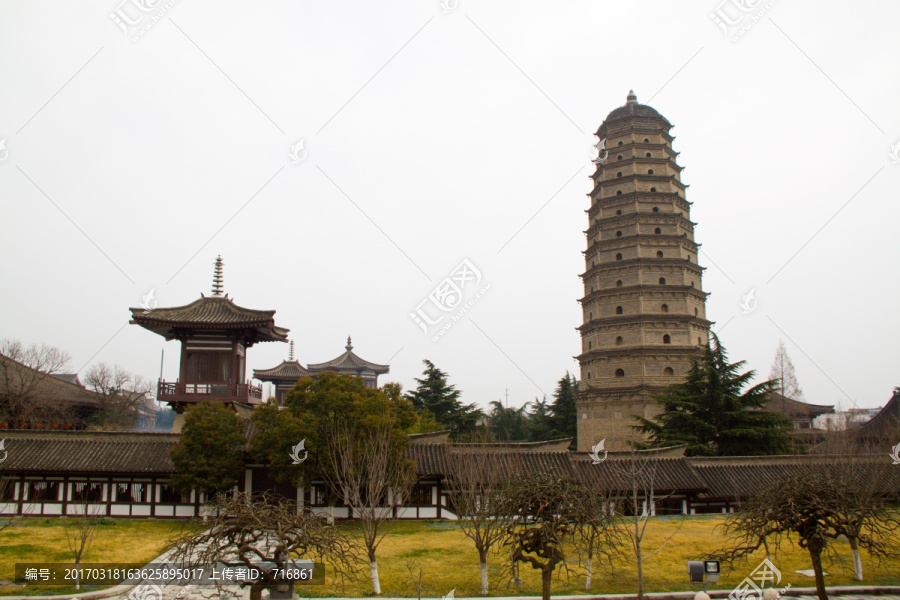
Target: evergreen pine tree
[(441, 399), (710, 413)]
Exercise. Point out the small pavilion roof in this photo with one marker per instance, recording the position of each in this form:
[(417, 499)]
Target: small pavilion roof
[(287, 370), (350, 362)]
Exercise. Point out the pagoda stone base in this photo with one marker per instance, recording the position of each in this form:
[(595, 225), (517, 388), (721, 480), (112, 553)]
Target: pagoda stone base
[(608, 413)]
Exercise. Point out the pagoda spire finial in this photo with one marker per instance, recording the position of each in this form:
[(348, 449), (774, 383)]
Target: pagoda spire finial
[(632, 97), (217, 286), (291, 351), (349, 346)]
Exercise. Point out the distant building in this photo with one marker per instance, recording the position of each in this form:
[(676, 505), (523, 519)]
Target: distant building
[(286, 374), (68, 378)]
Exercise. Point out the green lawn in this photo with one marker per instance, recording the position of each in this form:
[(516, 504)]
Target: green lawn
[(449, 559), (116, 541)]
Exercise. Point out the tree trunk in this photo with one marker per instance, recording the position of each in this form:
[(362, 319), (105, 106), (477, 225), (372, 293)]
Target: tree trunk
[(816, 555), (587, 583), (77, 576), (857, 562), (640, 571), (256, 591), (376, 584), (484, 577), (546, 575)]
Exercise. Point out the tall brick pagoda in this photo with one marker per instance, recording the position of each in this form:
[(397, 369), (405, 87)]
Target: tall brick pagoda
[(215, 334), (644, 309)]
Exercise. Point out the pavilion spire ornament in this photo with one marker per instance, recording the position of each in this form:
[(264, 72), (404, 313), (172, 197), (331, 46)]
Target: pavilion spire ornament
[(349, 346), (218, 285), (291, 351)]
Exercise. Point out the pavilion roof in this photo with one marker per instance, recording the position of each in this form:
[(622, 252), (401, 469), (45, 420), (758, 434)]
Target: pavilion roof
[(287, 370), (210, 313), (349, 362)]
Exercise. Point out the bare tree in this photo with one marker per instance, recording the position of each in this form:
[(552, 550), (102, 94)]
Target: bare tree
[(416, 574), (812, 506), (475, 478), (80, 530), (28, 395), (783, 374), (545, 515), (119, 393), (370, 471), (863, 477), (637, 475), (602, 536), (244, 531)]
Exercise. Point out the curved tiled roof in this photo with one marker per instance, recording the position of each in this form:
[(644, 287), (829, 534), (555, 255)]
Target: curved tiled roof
[(795, 408), (89, 452), (213, 312), (288, 369), (633, 109), (616, 474), (349, 362)]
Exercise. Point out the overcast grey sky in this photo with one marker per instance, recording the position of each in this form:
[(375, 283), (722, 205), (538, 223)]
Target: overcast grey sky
[(137, 151)]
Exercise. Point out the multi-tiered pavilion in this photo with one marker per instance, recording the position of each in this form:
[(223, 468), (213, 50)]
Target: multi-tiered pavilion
[(644, 309), (215, 334)]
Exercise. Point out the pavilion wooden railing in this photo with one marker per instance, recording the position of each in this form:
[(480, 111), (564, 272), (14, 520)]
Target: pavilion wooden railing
[(167, 390)]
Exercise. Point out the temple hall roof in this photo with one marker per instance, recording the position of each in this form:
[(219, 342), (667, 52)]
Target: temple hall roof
[(349, 362)]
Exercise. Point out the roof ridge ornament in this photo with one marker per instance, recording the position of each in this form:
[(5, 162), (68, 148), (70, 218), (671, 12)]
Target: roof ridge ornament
[(349, 345), (631, 98), (217, 286)]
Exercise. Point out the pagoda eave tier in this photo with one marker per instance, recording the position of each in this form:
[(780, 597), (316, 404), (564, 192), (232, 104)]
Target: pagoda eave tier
[(211, 314)]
